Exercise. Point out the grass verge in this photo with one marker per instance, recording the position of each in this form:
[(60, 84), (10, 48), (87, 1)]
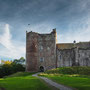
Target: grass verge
[(80, 81), (23, 81)]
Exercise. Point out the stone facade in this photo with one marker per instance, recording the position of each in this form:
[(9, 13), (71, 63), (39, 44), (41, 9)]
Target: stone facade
[(77, 54), (42, 52), (65, 57)]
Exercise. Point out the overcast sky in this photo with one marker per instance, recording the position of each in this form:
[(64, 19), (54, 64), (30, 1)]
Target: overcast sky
[(71, 18)]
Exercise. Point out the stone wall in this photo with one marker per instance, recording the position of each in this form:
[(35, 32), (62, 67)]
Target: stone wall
[(40, 51), (31, 51), (65, 57), (48, 44), (84, 57), (73, 57)]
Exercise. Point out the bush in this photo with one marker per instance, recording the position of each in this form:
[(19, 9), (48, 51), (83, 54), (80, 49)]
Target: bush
[(17, 67), (71, 70), (7, 69), (10, 67)]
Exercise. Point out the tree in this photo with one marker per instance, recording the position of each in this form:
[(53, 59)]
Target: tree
[(9, 67), (19, 61), (6, 62)]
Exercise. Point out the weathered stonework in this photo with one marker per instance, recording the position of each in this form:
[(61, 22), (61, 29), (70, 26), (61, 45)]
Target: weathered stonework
[(78, 55), (65, 57), (42, 52)]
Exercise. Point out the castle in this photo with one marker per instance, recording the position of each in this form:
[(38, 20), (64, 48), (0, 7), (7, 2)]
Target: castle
[(43, 53)]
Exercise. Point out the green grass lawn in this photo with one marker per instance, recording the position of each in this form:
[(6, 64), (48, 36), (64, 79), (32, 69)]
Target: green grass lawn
[(23, 81), (78, 81)]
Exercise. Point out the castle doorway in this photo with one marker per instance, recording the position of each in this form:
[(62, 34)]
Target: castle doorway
[(41, 69)]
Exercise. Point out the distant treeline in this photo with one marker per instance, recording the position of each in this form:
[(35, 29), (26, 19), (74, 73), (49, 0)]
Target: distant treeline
[(10, 67)]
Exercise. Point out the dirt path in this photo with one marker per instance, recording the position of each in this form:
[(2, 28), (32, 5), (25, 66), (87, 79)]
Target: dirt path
[(52, 83)]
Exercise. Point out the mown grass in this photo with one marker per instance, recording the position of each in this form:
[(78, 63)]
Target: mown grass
[(76, 77), (23, 81)]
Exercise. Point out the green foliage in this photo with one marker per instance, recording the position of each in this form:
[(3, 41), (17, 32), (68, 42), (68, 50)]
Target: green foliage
[(12, 67), (71, 70), (6, 62), (19, 61), (5, 69), (17, 67)]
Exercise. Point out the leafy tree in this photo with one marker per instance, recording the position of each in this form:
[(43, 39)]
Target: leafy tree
[(5, 69), (6, 62), (19, 61), (9, 67)]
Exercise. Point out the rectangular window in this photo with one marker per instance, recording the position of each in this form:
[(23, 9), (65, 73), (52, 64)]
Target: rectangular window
[(60, 56), (42, 59)]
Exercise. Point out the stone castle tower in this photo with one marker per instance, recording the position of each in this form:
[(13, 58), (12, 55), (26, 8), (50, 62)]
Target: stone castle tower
[(43, 53), (40, 51)]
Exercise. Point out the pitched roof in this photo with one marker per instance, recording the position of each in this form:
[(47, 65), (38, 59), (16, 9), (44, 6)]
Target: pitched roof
[(72, 45), (65, 45)]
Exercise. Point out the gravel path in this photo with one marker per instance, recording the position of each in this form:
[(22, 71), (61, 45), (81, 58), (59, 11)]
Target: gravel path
[(52, 83)]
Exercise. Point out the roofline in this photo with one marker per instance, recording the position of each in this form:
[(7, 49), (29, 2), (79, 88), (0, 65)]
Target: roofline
[(73, 43), (64, 43)]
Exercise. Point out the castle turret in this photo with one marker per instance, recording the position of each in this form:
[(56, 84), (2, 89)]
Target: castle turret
[(31, 51)]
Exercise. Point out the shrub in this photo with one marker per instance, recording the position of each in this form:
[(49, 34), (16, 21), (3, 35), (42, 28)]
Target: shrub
[(71, 70), (7, 69), (10, 67)]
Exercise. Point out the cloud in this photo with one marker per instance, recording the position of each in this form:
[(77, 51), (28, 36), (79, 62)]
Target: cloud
[(10, 49), (79, 31), (5, 39), (69, 17)]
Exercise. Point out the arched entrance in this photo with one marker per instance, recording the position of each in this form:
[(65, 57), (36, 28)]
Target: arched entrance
[(41, 69)]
